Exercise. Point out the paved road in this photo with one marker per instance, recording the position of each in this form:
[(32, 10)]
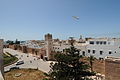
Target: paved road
[(40, 64)]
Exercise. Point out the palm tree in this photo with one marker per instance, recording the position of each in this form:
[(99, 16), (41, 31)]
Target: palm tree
[(91, 59)]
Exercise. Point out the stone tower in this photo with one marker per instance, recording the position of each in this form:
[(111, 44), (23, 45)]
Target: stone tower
[(49, 45), (1, 57), (80, 36)]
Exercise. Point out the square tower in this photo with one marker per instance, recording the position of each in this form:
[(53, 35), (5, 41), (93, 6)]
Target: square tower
[(48, 45)]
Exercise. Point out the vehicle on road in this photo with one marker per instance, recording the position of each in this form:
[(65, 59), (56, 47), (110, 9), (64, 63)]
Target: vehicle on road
[(20, 62), (14, 68)]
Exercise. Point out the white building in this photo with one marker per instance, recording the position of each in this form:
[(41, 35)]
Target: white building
[(60, 48), (103, 47), (98, 47)]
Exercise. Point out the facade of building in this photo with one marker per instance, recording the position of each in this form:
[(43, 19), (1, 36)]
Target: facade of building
[(97, 47), (103, 47)]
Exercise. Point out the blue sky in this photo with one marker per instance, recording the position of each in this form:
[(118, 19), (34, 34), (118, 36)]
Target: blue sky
[(31, 19)]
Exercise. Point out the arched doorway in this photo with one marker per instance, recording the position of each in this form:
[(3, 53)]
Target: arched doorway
[(36, 52), (33, 51), (41, 56), (83, 53)]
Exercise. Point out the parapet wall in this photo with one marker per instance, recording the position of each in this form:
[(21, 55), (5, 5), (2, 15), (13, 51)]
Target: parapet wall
[(99, 66), (112, 69), (40, 53)]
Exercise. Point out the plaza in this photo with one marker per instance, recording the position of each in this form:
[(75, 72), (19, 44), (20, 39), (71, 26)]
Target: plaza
[(29, 61)]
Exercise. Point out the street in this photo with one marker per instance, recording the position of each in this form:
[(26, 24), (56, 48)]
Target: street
[(29, 61)]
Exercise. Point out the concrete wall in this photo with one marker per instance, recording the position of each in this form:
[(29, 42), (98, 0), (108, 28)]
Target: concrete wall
[(38, 52), (1, 57), (12, 46), (112, 70), (99, 66)]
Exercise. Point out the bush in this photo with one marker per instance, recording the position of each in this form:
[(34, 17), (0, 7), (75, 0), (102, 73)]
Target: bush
[(9, 59)]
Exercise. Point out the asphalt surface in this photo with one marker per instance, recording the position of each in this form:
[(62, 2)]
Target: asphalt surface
[(29, 62)]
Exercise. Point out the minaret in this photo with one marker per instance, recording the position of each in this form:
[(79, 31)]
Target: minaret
[(80, 37), (1, 57), (49, 45)]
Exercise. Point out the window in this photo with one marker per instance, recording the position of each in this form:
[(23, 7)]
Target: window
[(93, 51), (63, 50), (91, 42), (101, 58), (83, 53), (101, 42), (110, 52), (104, 42), (108, 42), (101, 52), (88, 51), (97, 42)]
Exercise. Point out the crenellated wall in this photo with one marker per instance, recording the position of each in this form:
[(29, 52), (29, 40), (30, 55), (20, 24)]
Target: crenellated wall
[(41, 52)]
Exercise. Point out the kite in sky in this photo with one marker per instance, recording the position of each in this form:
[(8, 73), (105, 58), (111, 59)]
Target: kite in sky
[(76, 17)]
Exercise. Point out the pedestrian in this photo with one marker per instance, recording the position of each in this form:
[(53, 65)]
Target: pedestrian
[(30, 61)]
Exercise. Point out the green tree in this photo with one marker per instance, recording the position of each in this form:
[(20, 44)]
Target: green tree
[(10, 42), (69, 66), (17, 42)]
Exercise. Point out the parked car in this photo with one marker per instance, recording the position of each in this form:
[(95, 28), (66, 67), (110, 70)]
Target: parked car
[(14, 68), (20, 62)]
